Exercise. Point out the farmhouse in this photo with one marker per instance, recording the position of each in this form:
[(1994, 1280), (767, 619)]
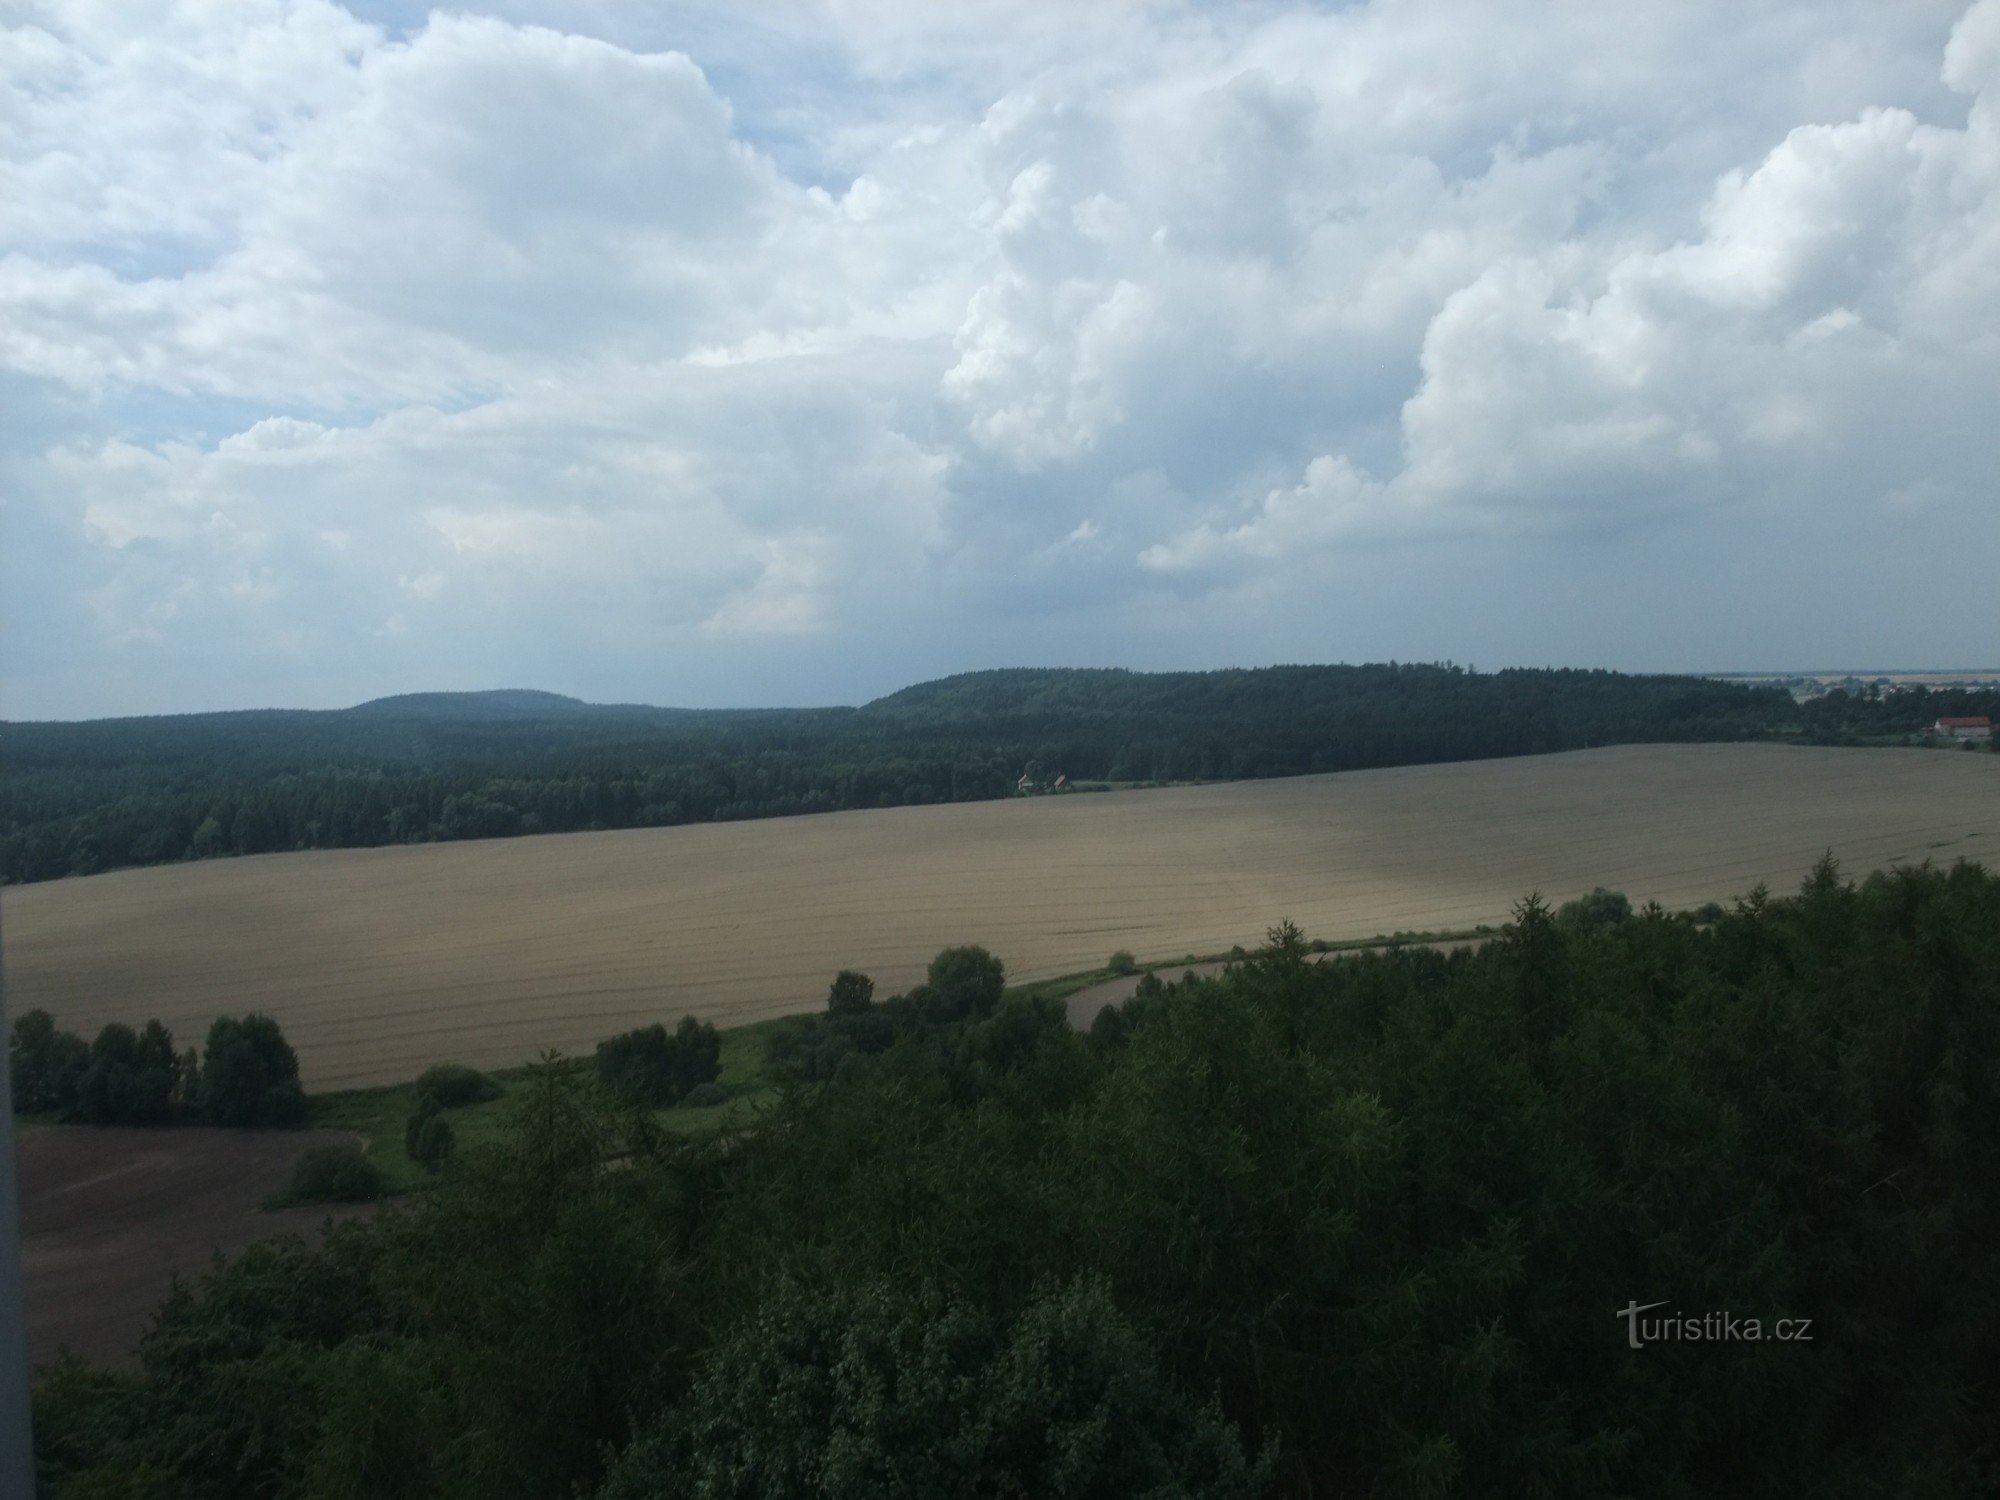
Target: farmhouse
[(1980, 728)]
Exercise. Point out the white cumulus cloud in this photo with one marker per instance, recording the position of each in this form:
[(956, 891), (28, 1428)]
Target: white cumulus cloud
[(651, 349)]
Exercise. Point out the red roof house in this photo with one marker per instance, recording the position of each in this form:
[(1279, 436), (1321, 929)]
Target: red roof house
[(1977, 727)]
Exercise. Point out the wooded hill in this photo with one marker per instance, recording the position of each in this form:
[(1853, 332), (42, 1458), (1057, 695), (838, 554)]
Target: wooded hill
[(103, 794)]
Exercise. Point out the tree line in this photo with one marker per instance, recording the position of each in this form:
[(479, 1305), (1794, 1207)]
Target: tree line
[(1840, 717), (1368, 1225), (246, 1075), (84, 797)]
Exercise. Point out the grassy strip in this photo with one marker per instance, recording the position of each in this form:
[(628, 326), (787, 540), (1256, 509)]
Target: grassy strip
[(378, 1115)]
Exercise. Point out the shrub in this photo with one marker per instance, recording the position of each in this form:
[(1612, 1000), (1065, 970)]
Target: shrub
[(432, 1142), (427, 1135), (649, 1069), (453, 1085), (633, 1065), (334, 1174), (1122, 962), (705, 1096), (1596, 912)]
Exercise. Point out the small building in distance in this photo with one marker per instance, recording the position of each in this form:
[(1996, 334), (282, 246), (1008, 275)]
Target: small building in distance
[(1977, 728)]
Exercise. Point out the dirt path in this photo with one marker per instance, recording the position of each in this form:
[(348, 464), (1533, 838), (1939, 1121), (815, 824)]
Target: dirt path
[(110, 1215), (1084, 1005)]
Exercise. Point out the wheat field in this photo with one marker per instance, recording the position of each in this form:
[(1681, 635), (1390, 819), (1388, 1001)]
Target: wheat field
[(378, 962)]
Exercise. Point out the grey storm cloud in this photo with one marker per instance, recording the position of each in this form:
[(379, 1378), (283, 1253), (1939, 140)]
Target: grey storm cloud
[(791, 353)]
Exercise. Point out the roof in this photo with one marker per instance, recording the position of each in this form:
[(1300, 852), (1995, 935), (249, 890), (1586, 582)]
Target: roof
[(1981, 722)]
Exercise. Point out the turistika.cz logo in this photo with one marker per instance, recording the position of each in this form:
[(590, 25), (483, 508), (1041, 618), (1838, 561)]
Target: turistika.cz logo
[(1708, 1328)]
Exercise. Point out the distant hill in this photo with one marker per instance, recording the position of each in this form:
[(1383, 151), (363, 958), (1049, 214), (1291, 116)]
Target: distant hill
[(498, 703), (418, 767)]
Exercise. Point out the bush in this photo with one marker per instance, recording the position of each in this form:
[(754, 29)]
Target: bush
[(1122, 962), (250, 1075), (432, 1143), (427, 1135), (649, 1069), (1599, 910), (634, 1065), (334, 1174), (705, 1096), (453, 1085)]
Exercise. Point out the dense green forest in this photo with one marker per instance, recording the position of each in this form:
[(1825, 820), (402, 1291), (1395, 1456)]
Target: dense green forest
[(1372, 1226), (100, 795), (104, 794)]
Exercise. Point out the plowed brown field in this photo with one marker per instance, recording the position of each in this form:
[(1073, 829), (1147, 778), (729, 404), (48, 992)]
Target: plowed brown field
[(109, 1217), (380, 961)]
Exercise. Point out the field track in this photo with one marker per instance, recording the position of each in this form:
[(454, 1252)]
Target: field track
[(380, 961)]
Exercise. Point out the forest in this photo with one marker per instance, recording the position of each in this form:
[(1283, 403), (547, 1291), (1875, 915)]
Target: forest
[(1366, 1226), (78, 798)]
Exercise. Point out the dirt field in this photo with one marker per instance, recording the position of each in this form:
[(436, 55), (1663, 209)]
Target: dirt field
[(381, 961), (108, 1216)]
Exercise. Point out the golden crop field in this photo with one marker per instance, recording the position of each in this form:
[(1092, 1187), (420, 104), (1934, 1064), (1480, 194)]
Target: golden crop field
[(378, 962)]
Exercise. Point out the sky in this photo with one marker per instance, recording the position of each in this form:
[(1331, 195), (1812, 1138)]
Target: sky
[(789, 353)]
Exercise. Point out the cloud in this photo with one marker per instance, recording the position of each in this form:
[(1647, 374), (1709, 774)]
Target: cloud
[(667, 524), (633, 335), (1779, 353)]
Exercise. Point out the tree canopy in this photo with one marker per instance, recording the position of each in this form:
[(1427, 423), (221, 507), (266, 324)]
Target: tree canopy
[(1368, 1225), (249, 1074), (83, 797)]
